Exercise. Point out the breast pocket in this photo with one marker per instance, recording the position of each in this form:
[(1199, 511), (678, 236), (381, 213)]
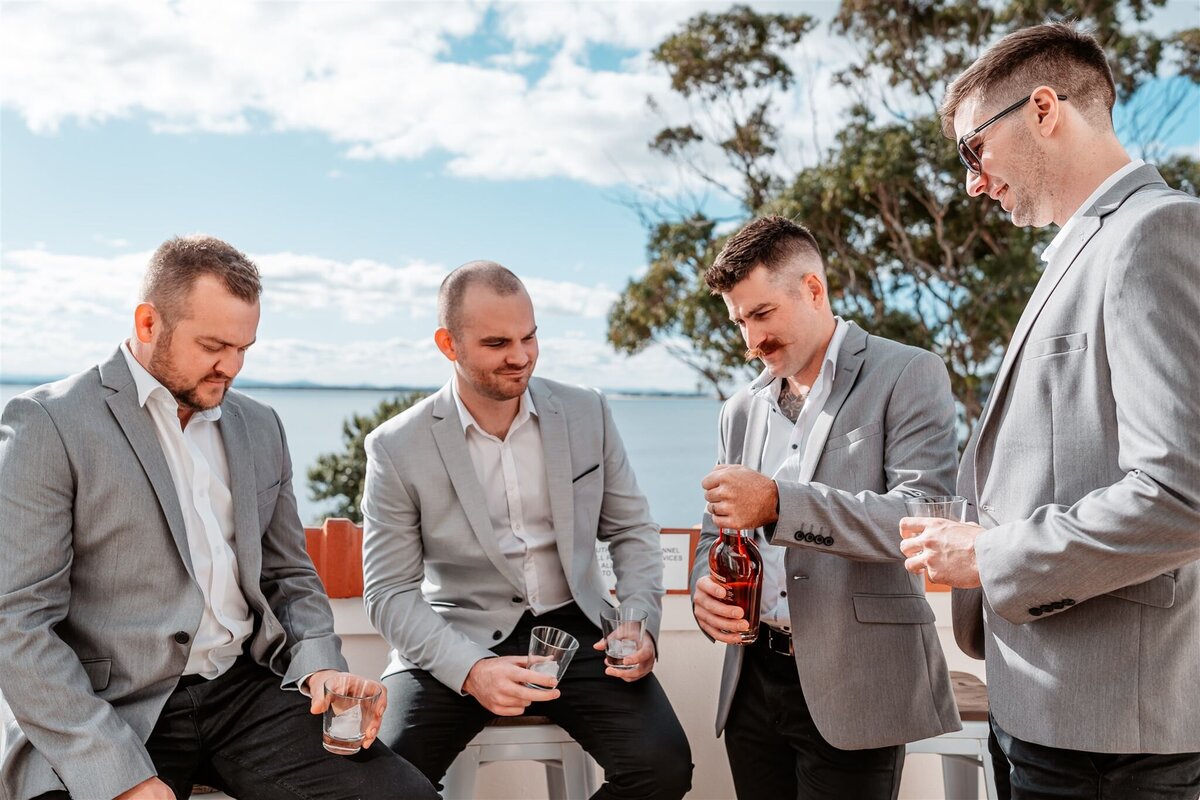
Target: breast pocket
[(856, 435), (1056, 346)]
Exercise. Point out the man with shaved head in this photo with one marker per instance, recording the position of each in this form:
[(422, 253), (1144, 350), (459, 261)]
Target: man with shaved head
[(482, 510)]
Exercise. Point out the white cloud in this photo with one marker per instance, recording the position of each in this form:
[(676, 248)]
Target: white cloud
[(376, 77)]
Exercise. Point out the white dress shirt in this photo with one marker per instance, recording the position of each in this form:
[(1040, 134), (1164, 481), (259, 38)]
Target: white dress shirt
[(512, 473), (1066, 231), (196, 458), (790, 454)]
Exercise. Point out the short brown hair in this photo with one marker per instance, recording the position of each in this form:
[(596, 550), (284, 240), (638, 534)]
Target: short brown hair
[(1056, 54), (178, 263), (770, 242), (499, 279)]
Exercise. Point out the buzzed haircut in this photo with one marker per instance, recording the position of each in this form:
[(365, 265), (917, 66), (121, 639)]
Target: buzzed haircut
[(1057, 55), (178, 263), (773, 243), (454, 287)]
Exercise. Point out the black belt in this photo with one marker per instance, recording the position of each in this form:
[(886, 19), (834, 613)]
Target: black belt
[(776, 641)]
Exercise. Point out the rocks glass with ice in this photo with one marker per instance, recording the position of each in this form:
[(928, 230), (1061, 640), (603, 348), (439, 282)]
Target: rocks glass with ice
[(550, 651), (623, 629), (351, 701)]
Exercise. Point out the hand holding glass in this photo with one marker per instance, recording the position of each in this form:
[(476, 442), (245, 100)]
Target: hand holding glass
[(550, 651), (351, 703), (623, 630)]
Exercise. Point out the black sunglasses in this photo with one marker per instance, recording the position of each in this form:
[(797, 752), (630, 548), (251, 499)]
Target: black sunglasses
[(968, 157)]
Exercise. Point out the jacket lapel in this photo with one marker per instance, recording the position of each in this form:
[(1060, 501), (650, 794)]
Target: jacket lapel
[(452, 447), (849, 363), (243, 488), (135, 422), (556, 449), (755, 441), (1087, 227)]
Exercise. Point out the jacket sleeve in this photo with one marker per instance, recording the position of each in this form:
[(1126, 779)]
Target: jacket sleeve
[(93, 751), (919, 458), (292, 588), (632, 537)]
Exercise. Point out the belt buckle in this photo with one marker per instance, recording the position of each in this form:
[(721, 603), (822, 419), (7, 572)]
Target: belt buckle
[(780, 642)]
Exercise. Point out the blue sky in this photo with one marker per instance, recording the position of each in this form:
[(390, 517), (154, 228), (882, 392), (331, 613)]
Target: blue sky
[(357, 152)]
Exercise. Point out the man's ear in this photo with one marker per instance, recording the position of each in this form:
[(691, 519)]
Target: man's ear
[(146, 322), (445, 343), (1048, 108), (814, 288)]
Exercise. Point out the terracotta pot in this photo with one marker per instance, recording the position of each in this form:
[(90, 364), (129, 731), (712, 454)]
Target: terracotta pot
[(336, 553)]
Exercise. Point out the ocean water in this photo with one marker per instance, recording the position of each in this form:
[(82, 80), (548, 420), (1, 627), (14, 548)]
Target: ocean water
[(671, 442)]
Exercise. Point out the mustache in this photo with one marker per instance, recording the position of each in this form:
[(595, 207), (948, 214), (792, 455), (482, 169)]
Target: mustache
[(764, 349)]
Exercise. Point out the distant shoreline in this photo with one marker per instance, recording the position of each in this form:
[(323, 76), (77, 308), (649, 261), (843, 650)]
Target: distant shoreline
[(26, 380)]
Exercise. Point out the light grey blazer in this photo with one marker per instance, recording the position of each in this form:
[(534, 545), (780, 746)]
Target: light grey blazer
[(436, 584), (1086, 468), (867, 650), (96, 583)]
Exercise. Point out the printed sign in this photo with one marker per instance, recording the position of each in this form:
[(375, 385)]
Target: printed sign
[(678, 548)]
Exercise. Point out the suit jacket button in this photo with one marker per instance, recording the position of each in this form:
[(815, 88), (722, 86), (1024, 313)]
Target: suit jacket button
[(808, 537), (798, 536), (1037, 612), (1057, 604), (1068, 602), (182, 637), (828, 541), (497, 635)]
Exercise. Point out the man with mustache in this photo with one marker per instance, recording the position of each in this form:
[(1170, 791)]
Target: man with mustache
[(819, 454), (160, 621), (1078, 576), (482, 509)]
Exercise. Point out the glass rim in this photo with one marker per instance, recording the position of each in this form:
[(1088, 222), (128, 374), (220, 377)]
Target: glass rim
[(573, 643), (931, 499), (624, 614), (364, 698)]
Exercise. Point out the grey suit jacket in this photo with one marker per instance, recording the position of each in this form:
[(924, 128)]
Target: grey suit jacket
[(867, 651), (435, 582), (1086, 469), (96, 583)]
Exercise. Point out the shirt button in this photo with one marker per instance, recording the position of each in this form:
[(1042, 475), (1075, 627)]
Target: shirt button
[(783, 594), (518, 599), (795, 447), (497, 635), (182, 637)]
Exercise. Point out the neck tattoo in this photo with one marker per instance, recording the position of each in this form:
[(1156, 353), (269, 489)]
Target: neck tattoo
[(791, 403)]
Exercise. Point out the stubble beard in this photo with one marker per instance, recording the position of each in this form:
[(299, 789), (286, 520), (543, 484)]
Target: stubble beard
[(1032, 198), (162, 367)]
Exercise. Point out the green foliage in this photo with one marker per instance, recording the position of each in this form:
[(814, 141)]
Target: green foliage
[(342, 476), (735, 60), (911, 257)]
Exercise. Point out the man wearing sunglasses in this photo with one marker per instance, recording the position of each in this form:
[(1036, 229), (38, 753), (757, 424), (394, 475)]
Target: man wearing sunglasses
[(1080, 582)]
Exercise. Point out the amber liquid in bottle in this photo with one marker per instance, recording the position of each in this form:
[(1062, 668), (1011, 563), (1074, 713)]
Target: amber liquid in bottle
[(736, 564)]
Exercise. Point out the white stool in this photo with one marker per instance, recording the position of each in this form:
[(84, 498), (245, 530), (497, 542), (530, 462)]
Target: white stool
[(570, 772), (965, 751)]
